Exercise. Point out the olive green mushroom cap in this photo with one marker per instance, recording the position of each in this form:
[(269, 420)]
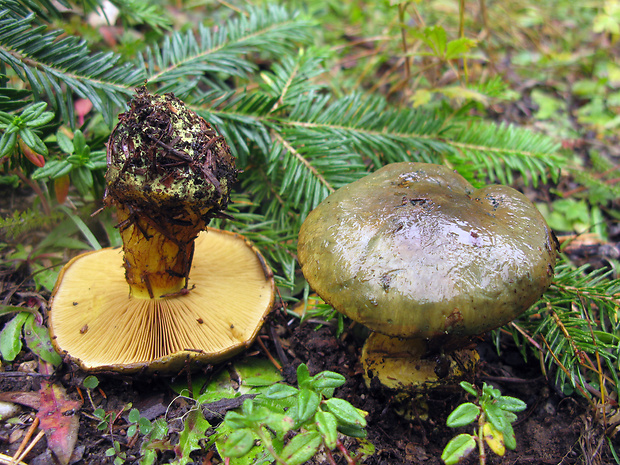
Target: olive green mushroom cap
[(414, 250)]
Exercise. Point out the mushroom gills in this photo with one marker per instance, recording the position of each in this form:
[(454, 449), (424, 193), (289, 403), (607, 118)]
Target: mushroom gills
[(102, 326)]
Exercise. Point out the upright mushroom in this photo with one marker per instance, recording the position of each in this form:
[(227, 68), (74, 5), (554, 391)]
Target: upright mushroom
[(169, 173), (418, 255)]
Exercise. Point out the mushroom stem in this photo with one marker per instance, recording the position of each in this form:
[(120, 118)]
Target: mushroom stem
[(169, 172), (158, 254)]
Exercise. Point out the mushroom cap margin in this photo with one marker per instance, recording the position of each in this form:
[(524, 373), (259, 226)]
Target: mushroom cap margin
[(97, 324)]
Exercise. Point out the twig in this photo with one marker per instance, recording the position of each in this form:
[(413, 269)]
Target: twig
[(22, 450), (269, 356), (278, 345), (481, 448), (6, 460), (19, 374)]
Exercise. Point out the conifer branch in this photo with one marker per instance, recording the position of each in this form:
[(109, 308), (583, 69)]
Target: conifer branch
[(304, 162), (188, 55), (48, 62)]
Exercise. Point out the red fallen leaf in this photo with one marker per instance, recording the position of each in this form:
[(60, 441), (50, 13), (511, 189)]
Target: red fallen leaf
[(59, 419), (29, 399)]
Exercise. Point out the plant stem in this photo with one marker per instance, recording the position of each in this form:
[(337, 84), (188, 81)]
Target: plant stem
[(37, 190), (350, 460), (481, 449)]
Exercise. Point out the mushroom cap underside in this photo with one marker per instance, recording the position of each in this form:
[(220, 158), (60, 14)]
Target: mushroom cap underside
[(97, 323), (414, 250)]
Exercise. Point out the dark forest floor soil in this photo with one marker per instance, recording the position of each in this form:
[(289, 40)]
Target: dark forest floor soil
[(553, 430)]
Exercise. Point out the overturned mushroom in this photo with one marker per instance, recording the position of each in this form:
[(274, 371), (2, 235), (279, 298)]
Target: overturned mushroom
[(169, 173), (421, 257)]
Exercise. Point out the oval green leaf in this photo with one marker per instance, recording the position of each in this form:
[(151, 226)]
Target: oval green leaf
[(307, 404), (301, 448), (327, 425), (38, 340), (238, 443), (11, 337), (345, 413), (459, 447), (512, 404), (463, 415), (280, 391)]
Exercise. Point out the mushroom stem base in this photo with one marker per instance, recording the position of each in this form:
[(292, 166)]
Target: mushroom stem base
[(399, 364)]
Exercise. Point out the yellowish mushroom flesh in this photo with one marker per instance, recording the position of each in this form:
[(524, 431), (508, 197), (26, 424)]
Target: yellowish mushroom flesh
[(101, 326), (400, 363)]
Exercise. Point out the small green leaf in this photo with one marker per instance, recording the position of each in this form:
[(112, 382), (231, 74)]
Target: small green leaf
[(53, 169), (33, 141), (131, 431), (345, 412), (469, 388), (64, 142), (90, 382), (236, 420), (193, 432), (145, 425), (354, 431), (512, 404), (328, 427), (280, 391), (327, 380), (490, 391), (307, 404), (5, 119), (238, 443), (458, 448), (79, 142), (42, 120), (38, 340), (303, 375), (495, 415), (509, 437), (463, 415), (134, 415), (82, 179), (11, 337), (301, 448), (32, 111), (7, 143)]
